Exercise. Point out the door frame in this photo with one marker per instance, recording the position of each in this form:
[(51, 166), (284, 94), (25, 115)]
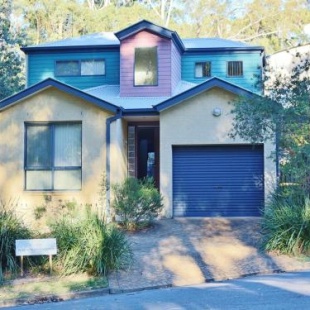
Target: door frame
[(146, 125)]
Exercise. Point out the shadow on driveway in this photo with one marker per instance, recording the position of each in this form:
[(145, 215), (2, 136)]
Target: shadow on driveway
[(177, 252)]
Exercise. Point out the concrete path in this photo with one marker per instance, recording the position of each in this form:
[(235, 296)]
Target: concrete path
[(177, 252)]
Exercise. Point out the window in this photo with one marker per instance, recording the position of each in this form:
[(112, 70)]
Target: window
[(80, 67), (235, 68), (145, 66), (202, 69), (53, 156), (93, 67), (67, 68)]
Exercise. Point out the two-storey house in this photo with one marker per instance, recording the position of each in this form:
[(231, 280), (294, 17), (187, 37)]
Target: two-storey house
[(140, 102)]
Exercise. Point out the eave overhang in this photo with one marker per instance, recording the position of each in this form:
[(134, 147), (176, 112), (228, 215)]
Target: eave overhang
[(155, 29), (200, 88), (48, 83)]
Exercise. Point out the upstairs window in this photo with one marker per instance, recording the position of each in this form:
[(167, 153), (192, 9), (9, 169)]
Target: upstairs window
[(235, 68), (80, 67), (146, 70), (93, 67), (67, 68), (53, 156), (202, 69)]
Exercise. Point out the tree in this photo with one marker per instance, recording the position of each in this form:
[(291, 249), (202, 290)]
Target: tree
[(277, 24), (282, 114), (11, 62)]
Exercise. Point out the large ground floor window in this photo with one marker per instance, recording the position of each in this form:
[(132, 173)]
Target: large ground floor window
[(53, 156)]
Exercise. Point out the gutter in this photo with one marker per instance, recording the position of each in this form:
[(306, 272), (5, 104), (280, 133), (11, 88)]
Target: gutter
[(109, 120)]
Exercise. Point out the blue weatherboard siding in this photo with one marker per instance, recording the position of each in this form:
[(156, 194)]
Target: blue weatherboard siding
[(41, 66), (252, 66)]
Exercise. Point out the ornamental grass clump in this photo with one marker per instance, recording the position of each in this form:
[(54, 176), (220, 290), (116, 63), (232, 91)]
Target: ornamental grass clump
[(136, 202), (286, 224), (11, 228), (87, 244)]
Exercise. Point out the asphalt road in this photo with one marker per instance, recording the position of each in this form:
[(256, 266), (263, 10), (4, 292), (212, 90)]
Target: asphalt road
[(279, 291)]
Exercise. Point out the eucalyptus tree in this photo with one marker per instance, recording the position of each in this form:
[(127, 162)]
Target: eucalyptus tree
[(11, 61)]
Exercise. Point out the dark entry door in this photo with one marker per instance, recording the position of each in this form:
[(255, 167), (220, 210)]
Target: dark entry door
[(147, 143)]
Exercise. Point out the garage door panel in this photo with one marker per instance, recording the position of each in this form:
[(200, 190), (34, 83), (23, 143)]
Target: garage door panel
[(217, 180)]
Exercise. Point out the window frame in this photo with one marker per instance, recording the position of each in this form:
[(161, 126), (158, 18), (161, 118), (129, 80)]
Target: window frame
[(51, 166), (134, 67), (203, 63), (239, 74), (79, 61)]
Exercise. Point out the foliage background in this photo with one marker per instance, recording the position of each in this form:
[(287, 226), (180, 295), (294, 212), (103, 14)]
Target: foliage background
[(275, 24)]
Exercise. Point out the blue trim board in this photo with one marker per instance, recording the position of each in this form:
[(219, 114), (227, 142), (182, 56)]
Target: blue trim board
[(141, 25), (193, 50), (158, 30), (61, 86), (140, 112), (68, 49), (223, 50), (205, 86)]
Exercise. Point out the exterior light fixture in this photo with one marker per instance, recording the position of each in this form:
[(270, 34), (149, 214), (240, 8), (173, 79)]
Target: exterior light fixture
[(217, 112)]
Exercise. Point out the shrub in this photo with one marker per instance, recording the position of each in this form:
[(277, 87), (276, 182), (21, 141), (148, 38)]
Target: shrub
[(286, 223), (86, 244), (11, 229), (136, 201)]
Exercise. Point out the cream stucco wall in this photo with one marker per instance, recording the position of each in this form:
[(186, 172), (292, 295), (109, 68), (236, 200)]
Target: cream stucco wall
[(47, 106), (192, 123), (118, 151)]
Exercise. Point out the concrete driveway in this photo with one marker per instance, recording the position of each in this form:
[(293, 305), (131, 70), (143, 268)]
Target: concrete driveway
[(177, 252)]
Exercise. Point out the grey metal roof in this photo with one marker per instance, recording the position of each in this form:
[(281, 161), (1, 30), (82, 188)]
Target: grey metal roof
[(212, 43), (110, 39), (111, 93), (95, 39)]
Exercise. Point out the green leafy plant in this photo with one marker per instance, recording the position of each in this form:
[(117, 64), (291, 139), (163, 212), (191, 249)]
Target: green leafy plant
[(87, 244), (39, 212), (281, 115), (136, 202), (11, 228), (286, 223)]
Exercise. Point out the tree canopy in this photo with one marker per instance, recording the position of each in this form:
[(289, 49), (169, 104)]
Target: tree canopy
[(11, 62), (283, 116), (276, 24)]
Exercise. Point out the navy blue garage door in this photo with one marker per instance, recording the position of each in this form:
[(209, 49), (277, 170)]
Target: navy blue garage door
[(218, 180)]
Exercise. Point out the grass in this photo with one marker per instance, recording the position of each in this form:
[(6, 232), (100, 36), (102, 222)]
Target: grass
[(57, 286), (286, 225), (11, 228), (87, 244)]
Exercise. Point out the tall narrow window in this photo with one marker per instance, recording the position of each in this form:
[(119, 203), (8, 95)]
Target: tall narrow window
[(235, 68), (202, 69), (53, 156), (146, 70)]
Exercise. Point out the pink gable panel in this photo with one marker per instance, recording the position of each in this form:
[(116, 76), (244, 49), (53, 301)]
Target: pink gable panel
[(127, 58), (175, 66)]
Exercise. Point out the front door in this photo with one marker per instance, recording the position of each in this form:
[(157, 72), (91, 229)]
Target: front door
[(147, 152)]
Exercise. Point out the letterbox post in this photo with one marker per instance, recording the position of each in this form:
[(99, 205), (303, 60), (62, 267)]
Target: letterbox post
[(22, 265), (51, 266)]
